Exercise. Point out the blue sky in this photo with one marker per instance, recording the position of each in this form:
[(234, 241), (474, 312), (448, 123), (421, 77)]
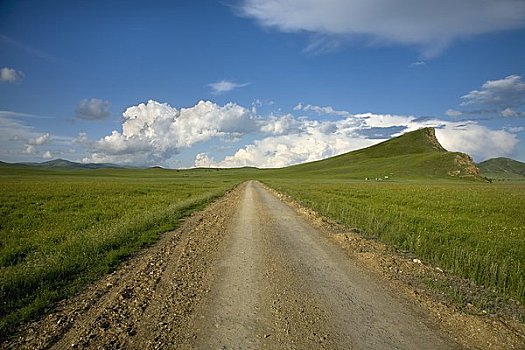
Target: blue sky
[(261, 83)]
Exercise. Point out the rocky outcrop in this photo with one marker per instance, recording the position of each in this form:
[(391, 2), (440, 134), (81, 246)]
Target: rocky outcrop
[(431, 135), (464, 166)]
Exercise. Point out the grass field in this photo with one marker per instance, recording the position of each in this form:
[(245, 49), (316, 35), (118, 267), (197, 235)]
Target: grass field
[(61, 229), (476, 230)]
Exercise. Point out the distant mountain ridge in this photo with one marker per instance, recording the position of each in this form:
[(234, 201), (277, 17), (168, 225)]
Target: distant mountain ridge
[(502, 168), (64, 164), (416, 154)]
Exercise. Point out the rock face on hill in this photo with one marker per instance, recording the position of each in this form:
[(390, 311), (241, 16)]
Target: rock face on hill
[(465, 166), (430, 133)]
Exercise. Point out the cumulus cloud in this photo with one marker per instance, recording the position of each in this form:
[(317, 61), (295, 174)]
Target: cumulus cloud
[(19, 139), (10, 75), (278, 125), (477, 140), (223, 86), (40, 140), (92, 109), (153, 132), (294, 140), (503, 93), (284, 150), (429, 24), (509, 112), (33, 143)]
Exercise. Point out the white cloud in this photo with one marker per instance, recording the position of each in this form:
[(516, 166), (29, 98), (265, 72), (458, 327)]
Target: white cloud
[(476, 140), (30, 149), (417, 64), (223, 86), (298, 106), (327, 110), (9, 114), (93, 109), (47, 155), (509, 112), (33, 144), (10, 75), (203, 160), (429, 24), (453, 113), (20, 140), (295, 140), (284, 150), (279, 125), (372, 120), (153, 132), (40, 139), (504, 93)]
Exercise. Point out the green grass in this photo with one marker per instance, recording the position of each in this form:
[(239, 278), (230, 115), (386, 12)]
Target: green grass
[(62, 229), (475, 230), (503, 169)]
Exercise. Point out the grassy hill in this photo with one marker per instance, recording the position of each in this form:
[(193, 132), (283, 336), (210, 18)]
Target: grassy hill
[(502, 168), (416, 154)]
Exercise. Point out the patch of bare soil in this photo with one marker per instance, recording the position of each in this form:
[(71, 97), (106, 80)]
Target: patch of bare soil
[(148, 302), (476, 317)]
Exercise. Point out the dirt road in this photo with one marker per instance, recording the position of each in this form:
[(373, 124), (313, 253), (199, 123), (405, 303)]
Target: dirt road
[(280, 284), (247, 273)]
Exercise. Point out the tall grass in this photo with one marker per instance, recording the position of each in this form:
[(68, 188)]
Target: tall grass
[(58, 233), (475, 230)]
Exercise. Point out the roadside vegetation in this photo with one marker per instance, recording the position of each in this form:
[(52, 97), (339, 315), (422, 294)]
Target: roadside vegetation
[(62, 229), (475, 230)]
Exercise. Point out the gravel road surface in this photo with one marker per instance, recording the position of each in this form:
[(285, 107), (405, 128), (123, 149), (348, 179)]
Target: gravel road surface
[(280, 284)]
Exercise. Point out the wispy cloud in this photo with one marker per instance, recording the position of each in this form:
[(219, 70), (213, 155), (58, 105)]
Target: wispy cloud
[(495, 99), (27, 48), (224, 86), (12, 114), (428, 24), (504, 93), (453, 113)]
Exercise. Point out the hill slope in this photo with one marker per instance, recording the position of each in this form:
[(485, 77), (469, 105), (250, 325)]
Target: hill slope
[(416, 154), (502, 168)]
